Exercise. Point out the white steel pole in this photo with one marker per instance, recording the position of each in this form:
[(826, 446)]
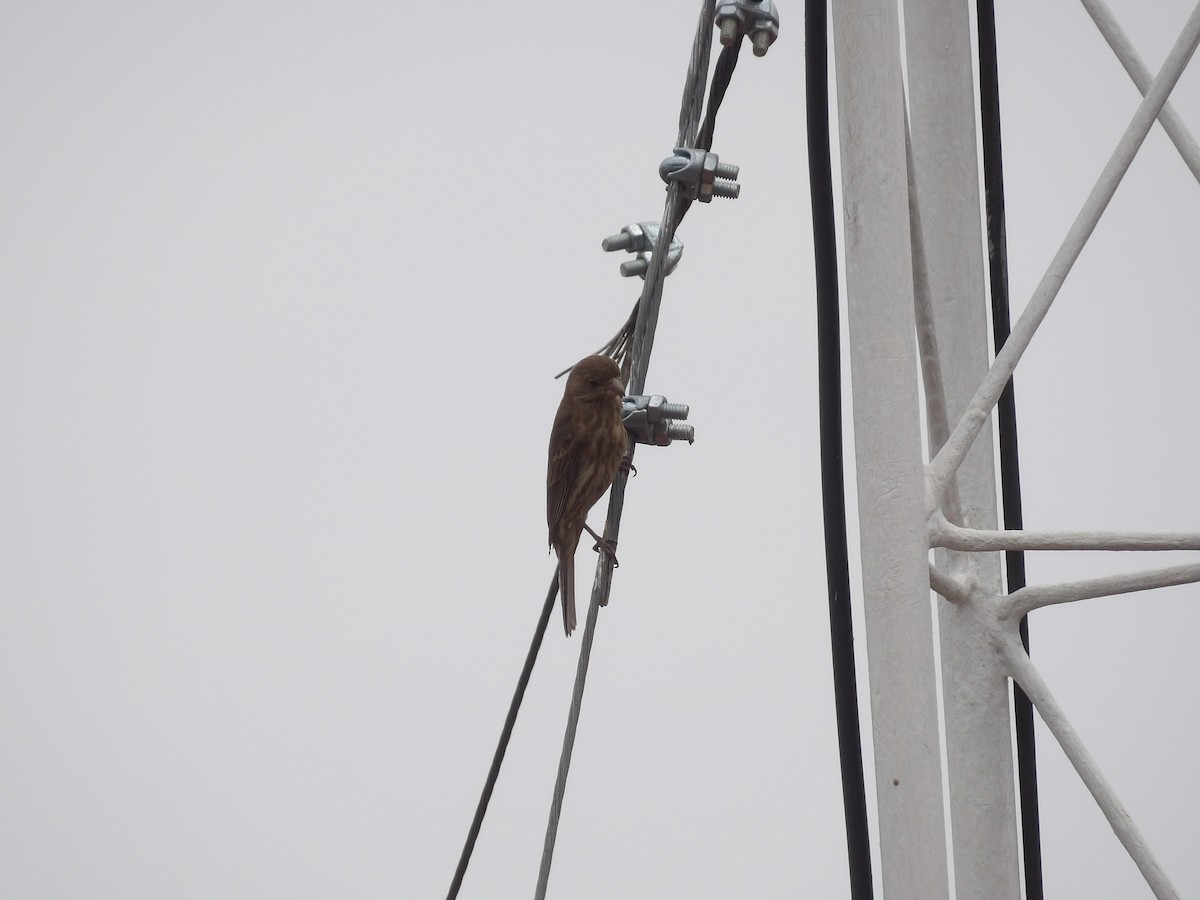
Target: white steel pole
[(891, 487), (950, 294)]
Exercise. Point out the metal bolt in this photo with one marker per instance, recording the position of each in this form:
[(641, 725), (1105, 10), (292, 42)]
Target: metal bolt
[(678, 431), (724, 188), (730, 32), (762, 40), (634, 267), (726, 170), (664, 409), (622, 241), (675, 410)]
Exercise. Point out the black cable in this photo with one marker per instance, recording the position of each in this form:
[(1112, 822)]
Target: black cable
[(833, 488), (1006, 414), (505, 734), (722, 74)]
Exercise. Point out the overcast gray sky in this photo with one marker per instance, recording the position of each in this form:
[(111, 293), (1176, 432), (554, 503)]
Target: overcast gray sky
[(282, 291)]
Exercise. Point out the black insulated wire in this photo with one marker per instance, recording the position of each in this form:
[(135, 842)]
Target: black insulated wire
[(833, 487), (722, 74), (1006, 416), (505, 733)]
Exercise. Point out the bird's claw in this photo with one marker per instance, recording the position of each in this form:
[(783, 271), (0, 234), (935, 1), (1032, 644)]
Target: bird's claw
[(609, 548), (604, 545), (627, 466)]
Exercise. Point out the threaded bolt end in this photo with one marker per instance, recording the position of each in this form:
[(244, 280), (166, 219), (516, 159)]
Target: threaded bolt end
[(677, 431), (762, 40), (726, 170), (622, 241), (722, 187), (729, 31), (674, 410)]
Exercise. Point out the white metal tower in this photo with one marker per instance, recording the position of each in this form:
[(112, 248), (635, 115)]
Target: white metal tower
[(915, 281)]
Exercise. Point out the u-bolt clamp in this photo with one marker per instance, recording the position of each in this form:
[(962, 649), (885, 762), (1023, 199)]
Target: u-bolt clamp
[(757, 18), (640, 239), (700, 173), (653, 420)]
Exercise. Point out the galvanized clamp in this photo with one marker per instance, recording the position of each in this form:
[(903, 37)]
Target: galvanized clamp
[(640, 239), (757, 18), (653, 420), (700, 173)]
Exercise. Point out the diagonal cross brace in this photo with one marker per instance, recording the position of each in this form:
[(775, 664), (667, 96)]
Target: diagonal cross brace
[(940, 472), (1119, 41)]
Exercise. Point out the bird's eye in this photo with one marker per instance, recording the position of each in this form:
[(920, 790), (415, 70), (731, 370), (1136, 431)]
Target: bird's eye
[(592, 382)]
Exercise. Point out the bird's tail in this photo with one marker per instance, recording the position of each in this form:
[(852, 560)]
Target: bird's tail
[(566, 589)]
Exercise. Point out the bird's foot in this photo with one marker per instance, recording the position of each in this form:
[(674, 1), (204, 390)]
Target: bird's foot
[(609, 548), (627, 466), (604, 545)]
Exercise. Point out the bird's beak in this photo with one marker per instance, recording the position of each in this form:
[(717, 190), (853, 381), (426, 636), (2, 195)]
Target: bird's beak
[(617, 386)]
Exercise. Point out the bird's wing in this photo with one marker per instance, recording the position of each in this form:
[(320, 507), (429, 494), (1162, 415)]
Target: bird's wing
[(563, 450)]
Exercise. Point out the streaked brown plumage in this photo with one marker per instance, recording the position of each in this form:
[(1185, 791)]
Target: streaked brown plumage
[(587, 445)]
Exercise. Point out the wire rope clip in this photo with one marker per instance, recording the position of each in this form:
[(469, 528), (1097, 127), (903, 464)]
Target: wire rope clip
[(641, 239), (757, 18), (701, 174), (653, 420)]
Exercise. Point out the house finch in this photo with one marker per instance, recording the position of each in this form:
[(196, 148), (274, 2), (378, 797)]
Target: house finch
[(587, 444)]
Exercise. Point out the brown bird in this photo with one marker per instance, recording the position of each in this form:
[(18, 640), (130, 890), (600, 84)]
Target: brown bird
[(587, 444)]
